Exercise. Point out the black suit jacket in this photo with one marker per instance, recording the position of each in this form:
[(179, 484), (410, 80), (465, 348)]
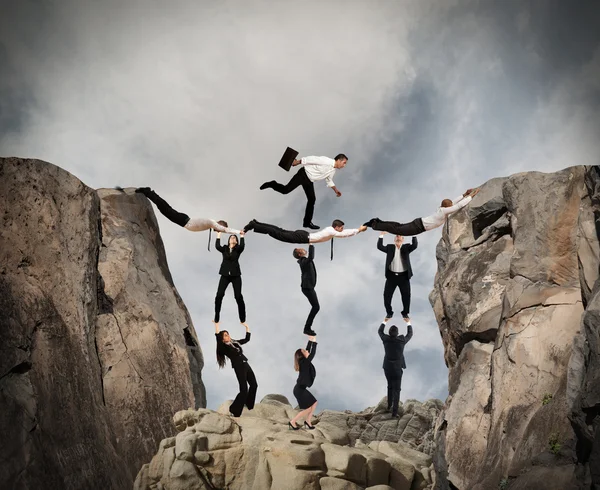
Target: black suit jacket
[(230, 265), (308, 270), (405, 251), (394, 348), (307, 372), (233, 350)]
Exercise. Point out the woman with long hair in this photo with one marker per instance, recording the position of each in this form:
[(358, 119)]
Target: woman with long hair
[(306, 377), (231, 273), (227, 347)]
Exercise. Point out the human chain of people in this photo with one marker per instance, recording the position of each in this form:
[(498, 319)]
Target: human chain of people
[(398, 272)]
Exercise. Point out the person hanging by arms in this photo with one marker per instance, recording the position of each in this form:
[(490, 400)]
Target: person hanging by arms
[(312, 169), (421, 225), (182, 219), (308, 281), (398, 272), (306, 377), (227, 347), (393, 361), (336, 230), (231, 273)]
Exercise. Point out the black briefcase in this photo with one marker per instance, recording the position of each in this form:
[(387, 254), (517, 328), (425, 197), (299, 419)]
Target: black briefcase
[(288, 158)]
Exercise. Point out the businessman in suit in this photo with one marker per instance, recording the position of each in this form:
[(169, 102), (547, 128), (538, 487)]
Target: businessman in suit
[(308, 282), (393, 362), (398, 272)]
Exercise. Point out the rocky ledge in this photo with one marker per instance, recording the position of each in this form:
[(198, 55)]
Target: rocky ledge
[(345, 451)]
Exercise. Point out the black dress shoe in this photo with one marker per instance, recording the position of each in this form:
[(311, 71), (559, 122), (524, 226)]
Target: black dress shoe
[(310, 332), (267, 185), (309, 427), (290, 426), (312, 226), (249, 226), (143, 190)]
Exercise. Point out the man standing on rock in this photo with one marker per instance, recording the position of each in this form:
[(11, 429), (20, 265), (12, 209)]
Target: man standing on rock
[(398, 272), (312, 169), (393, 361)]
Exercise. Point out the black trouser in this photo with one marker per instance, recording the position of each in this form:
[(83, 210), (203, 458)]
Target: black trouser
[(401, 281), (415, 227), (300, 179), (288, 236), (393, 375), (248, 387), (237, 292), (311, 294), (163, 206)]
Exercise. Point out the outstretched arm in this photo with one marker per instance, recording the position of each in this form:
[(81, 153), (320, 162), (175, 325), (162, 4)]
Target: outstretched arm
[(349, 232), (217, 227), (311, 252), (460, 204)]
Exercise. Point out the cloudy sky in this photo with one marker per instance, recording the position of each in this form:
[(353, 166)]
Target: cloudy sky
[(198, 100)]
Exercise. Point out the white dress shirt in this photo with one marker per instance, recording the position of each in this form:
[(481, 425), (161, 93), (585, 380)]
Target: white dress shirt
[(397, 264), (330, 232), (439, 218), (202, 224), (319, 168)]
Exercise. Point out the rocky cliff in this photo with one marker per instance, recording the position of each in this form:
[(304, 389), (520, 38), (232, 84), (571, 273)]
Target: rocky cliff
[(97, 350), (517, 299), (257, 451)]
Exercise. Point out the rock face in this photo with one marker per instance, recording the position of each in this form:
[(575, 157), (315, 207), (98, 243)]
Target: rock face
[(257, 451), (517, 272), (90, 325)]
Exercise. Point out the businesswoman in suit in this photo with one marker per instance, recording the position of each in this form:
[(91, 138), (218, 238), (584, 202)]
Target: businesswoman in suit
[(306, 377), (231, 273), (227, 347)]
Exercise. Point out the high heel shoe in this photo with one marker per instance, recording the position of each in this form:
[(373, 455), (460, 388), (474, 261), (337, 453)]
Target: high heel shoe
[(309, 427), (290, 426)]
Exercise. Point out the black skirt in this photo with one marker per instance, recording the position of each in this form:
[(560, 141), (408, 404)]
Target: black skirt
[(304, 397)]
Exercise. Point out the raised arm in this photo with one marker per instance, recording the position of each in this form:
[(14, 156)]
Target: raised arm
[(245, 339), (412, 246), (409, 333), (382, 335), (311, 252), (242, 244), (312, 349), (380, 245), (218, 245)]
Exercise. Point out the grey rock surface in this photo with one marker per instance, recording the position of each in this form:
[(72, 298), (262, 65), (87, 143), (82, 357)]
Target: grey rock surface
[(80, 408)]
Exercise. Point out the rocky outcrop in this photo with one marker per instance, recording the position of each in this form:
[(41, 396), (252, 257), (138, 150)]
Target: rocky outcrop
[(91, 328), (516, 271), (257, 451)]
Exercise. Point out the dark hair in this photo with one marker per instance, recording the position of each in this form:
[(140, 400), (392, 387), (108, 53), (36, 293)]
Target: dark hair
[(222, 222), (297, 356), (341, 156), (236, 240), (446, 203), (220, 350), (296, 254), (393, 331), (337, 222)]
